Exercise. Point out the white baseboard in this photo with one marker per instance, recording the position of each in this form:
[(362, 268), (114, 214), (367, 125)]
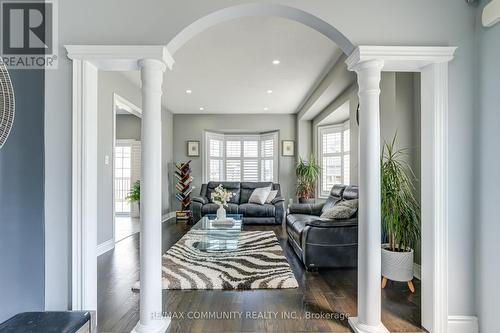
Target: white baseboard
[(167, 216), (105, 247), (463, 324), (417, 271)]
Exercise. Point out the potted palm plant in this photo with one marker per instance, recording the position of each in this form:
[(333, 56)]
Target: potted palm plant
[(307, 175), (135, 194), (400, 216)]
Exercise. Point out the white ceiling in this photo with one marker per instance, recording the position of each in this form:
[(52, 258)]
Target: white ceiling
[(229, 67)]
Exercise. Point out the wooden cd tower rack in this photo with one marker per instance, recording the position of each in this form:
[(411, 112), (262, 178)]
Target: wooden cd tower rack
[(183, 176)]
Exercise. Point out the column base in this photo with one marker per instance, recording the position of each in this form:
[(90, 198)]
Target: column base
[(362, 328), (159, 326)]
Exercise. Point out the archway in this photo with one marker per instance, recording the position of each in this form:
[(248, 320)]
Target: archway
[(368, 62), (260, 9)]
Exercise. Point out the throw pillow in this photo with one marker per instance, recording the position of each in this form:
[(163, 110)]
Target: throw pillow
[(342, 210), (259, 195), (271, 196)]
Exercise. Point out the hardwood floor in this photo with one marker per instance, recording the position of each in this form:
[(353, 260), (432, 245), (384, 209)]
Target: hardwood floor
[(320, 304)]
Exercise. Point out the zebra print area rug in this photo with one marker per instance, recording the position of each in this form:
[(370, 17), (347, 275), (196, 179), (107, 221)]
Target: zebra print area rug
[(258, 263)]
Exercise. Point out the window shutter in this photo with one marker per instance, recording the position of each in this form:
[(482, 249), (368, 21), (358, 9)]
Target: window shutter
[(215, 157), (251, 149), (267, 148), (334, 156), (250, 157), (267, 170), (251, 170), (233, 149), (233, 170)]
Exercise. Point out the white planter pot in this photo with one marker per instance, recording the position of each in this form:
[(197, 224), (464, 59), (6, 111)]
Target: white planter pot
[(397, 266), (221, 213)]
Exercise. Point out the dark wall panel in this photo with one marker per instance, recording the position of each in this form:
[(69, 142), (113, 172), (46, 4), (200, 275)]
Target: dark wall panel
[(22, 200)]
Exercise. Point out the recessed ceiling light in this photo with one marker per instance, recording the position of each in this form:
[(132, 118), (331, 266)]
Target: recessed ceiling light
[(269, 91), (202, 108), (266, 108), (188, 91), (276, 62)]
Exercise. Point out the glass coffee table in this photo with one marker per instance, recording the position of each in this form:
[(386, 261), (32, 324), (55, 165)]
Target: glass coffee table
[(217, 236)]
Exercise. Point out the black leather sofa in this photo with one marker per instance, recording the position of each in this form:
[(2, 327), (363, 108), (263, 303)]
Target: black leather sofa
[(324, 242), (272, 213)]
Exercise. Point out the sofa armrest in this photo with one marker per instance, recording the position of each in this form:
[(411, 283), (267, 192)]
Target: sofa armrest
[(277, 199), (279, 206), (329, 223), (307, 209), (202, 200)]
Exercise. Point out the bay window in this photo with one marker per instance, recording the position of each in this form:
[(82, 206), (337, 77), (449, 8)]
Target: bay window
[(242, 157)]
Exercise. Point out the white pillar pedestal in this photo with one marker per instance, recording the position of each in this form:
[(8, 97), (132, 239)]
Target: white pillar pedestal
[(369, 228), (151, 319)]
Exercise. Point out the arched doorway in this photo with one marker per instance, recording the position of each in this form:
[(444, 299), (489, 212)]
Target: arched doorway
[(368, 62)]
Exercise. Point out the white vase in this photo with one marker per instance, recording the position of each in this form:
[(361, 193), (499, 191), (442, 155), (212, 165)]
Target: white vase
[(221, 213), (397, 266)]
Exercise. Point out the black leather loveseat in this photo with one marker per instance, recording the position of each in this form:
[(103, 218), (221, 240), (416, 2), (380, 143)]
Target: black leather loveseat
[(272, 213), (324, 242)]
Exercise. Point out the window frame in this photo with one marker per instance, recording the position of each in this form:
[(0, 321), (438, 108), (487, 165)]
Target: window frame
[(224, 137), (325, 129)]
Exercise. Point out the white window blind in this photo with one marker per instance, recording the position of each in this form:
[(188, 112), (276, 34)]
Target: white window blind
[(334, 156), (250, 158)]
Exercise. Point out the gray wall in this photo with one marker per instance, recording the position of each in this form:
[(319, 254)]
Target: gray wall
[(487, 175), (191, 127), (22, 256), (128, 127), (408, 22)]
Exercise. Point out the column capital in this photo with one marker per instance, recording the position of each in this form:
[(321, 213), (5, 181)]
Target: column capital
[(153, 64), (375, 65), (369, 74)]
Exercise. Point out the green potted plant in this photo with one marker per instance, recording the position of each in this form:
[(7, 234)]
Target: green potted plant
[(400, 215), (135, 194), (307, 175)]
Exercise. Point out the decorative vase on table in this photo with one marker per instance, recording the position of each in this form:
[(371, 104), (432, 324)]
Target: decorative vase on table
[(221, 213), (221, 196)]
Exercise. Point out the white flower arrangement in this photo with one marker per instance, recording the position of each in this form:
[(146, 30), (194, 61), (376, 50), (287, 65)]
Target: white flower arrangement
[(221, 196)]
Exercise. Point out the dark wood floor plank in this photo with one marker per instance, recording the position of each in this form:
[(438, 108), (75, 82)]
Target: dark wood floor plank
[(328, 293)]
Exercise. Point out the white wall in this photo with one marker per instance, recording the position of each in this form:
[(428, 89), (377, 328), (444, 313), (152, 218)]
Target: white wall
[(384, 22), (191, 127), (486, 220), (108, 84)]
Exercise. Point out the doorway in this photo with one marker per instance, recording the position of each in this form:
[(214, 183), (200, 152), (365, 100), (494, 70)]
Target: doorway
[(126, 168)]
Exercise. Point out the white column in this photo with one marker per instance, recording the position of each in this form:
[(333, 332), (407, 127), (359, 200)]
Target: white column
[(151, 320), (369, 228)]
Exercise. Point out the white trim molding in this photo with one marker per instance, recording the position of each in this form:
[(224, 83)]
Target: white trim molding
[(84, 186), (402, 58), (123, 103), (105, 246), (119, 57), (463, 324)]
